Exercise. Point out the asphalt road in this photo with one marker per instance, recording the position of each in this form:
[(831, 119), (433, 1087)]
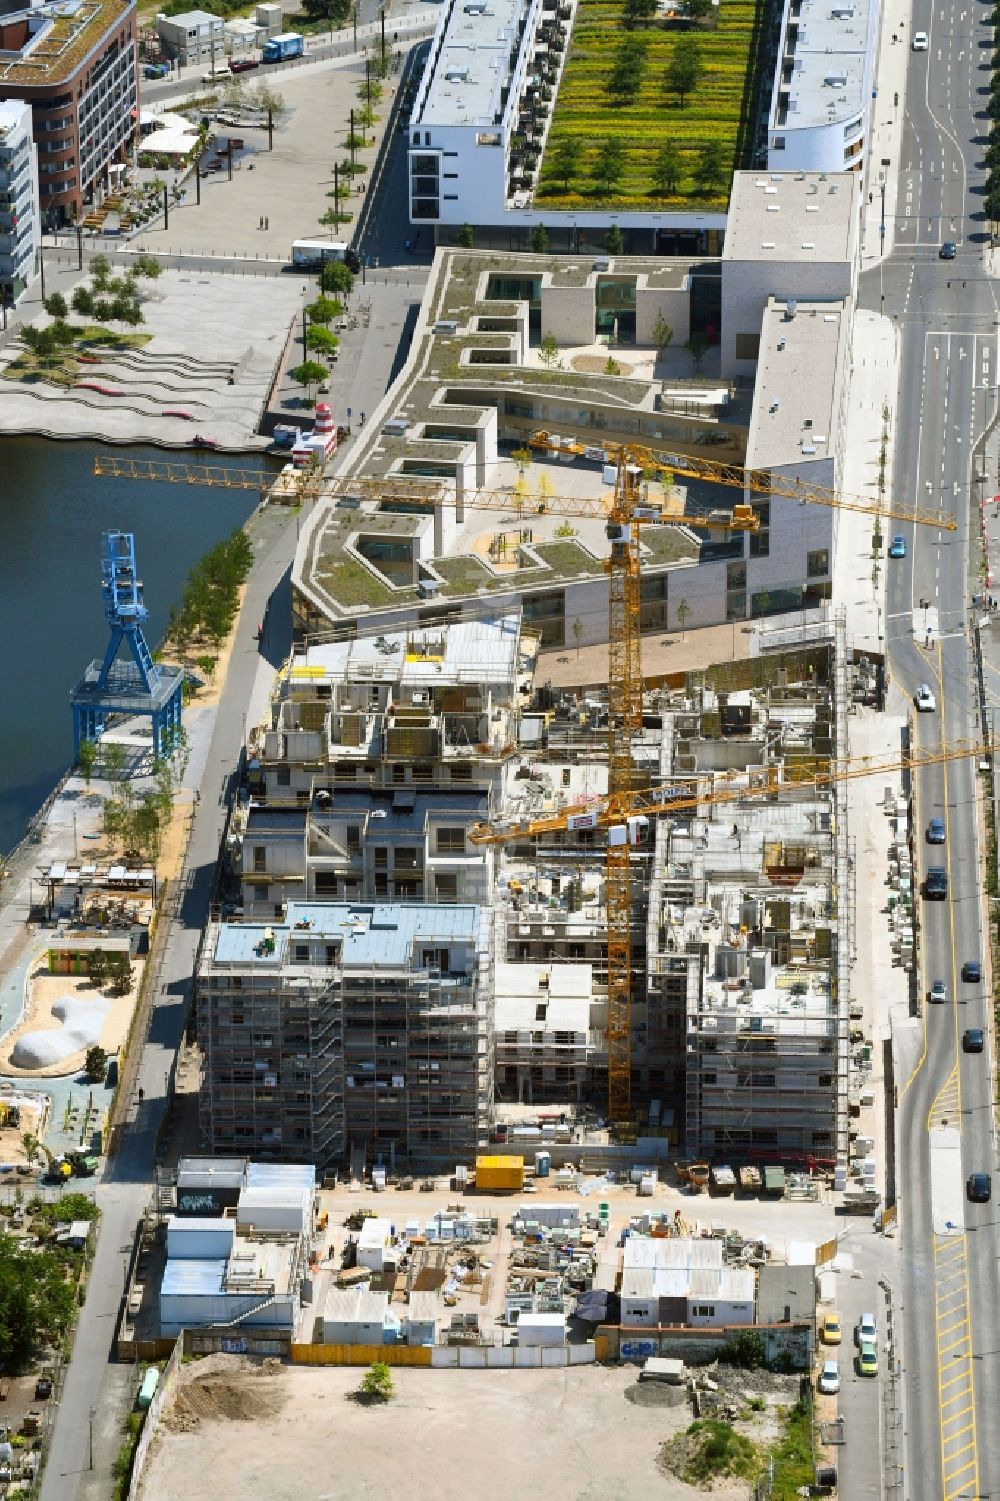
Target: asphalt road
[(947, 314)]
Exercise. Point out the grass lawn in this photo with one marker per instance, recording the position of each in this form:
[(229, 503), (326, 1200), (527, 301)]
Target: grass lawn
[(64, 368), (717, 109)]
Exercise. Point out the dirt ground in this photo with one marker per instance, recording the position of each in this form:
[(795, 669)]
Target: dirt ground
[(566, 1434), (45, 990)]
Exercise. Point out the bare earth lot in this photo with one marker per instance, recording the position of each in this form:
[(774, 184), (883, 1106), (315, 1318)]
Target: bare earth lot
[(291, 1434)]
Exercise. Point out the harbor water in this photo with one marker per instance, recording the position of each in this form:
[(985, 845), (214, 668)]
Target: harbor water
[(53, 511)]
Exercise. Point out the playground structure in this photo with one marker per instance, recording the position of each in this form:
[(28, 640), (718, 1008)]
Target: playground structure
[(112, 690)]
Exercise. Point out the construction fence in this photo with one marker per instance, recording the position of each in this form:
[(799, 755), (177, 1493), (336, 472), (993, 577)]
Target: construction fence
[(164, 1391), (449, 1357), (791, 1342)]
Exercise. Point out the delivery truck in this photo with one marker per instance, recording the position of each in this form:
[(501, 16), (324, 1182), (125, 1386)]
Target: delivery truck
[(278, 49), (310, 255)]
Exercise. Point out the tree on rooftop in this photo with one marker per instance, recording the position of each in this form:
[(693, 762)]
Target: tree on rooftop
[(610, 164), (667, 169), (710, 168), (684, 68), (539, 239), (626, 72), (639, 12), (565, 160), (697, 10), (548, 351)]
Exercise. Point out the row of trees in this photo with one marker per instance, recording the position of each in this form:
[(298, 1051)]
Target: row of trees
[(992, 200), (336, 279), (681, 76), (109, 299), (134, 822), (211, 595), (608, 166)]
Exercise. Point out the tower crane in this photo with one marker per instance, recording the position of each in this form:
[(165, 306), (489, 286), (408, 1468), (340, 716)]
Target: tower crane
[(624, 511), (624, 814)]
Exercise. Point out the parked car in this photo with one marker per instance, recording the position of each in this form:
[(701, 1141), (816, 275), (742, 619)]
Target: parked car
[(973, 1040), (244, 64), (867, 1359), (829, 1378), (867, 1330), (935, 831), (972, 971), (919, 43), (979, 1188), (897, 547), (925, 700), (939, 993), (832, 1330)]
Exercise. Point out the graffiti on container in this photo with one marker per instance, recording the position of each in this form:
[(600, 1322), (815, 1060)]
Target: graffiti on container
[(637, 1349), (234, 1347)]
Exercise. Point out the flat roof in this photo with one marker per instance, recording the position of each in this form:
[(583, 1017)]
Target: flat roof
[(797, 390), (189, 19), (55, 51), (469, 63), (832, 55), (792, 216), (377, 935), (477, 651)]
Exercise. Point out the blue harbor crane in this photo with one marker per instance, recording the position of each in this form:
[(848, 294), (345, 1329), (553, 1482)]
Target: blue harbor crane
[(117, 688)]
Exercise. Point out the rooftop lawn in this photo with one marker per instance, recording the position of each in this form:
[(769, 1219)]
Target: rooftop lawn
[(718, 108)]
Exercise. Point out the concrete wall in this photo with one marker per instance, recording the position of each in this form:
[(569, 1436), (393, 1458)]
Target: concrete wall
[(702, 1346), (568, 313), (747, 285), (675, 308), (448, 1357)]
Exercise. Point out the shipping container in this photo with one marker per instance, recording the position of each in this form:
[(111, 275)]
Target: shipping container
[(499, 1173)]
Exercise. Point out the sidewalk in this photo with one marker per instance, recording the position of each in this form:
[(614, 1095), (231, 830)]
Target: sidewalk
[(886, 134)]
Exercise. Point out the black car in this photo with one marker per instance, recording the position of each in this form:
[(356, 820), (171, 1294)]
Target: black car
[(972, 971), (936, 885), (947, 251), (979, 1188), (973, 1040)]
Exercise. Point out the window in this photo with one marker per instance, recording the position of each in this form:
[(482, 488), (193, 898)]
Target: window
[(326, 883), (818, 563), (451, 841), (381, 859), (260, 857), (747, 346), (760, 541), (284, 776), (446, 887), (302, 953), (353, 840), (777, 143), (704, 1310)]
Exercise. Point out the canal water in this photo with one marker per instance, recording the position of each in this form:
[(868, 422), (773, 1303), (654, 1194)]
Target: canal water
[(53, 510)]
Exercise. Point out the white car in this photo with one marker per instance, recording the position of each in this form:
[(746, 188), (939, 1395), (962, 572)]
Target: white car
[(867, 1329), (919, 43), (829, 1378), (925, 700)]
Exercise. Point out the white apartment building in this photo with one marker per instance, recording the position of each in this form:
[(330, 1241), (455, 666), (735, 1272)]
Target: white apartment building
[(19, 215), (824, 86)]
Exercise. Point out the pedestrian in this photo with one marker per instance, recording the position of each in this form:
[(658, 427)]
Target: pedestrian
[(362, 419), (267, 224), (260, 221), (142, 1095)]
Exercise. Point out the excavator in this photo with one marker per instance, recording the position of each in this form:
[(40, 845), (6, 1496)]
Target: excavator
[(69, 1165)]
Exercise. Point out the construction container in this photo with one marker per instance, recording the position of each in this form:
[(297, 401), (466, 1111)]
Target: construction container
[(499, 1174)]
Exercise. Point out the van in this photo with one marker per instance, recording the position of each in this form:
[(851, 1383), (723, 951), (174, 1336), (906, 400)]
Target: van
[(217, 74)]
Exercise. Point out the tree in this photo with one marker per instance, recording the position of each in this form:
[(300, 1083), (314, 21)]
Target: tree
[(97, 967), (95, 1065), (100, 271), (710, 167), (148, 266), (539, 239), (523, 457), (56, 306), (126, 310), (86, 758), (466, 237), (121, 975), (639, 12), (696, 347), (268, 99), (612, 367), (115, 760), (662, 335), (626, 72), (697, 10), (36, 1301), (610, 163), (32, 1147), (548, 351), (321, 340), (565, 160), (683, 613), (310, 373), (335, 276), (614, 241), (335, 12), (83, 302), (684, 68), (667, 170), (377, 1385), (578, 634), (324, 310)]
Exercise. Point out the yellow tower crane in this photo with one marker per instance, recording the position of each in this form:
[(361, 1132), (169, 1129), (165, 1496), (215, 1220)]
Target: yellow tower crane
[(624, 511)]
